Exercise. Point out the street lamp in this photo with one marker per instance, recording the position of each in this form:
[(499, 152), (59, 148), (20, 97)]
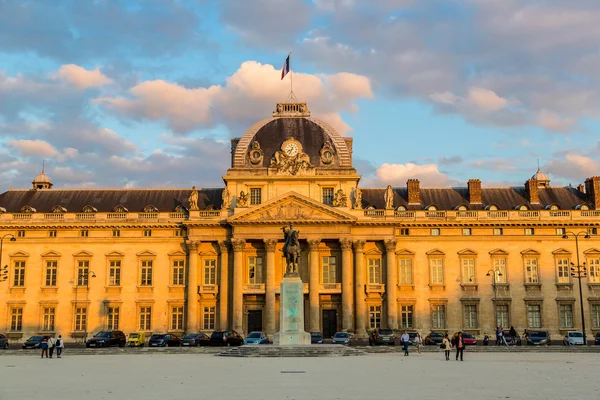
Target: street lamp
[(4, 270), (579, 271), (493, 274), (84, 274)]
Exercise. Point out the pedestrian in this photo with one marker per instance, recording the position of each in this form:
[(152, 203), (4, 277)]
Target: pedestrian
[(460, 346), (513, 335), (486, 339), (51, 345), (498, 335), (447, 346), (404, 340), (44, 346), (525, 337), (60, 344), (418, 342)]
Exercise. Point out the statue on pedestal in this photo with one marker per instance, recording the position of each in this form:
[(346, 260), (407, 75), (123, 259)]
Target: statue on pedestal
[(340, 199), (358, 199), (389, 198), (226, 197), (291, 250), (193, 199)]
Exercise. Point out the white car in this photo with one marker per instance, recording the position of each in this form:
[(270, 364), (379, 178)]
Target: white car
[(574, 338)]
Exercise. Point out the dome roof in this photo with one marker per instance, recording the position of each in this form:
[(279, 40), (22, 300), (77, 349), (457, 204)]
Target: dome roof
[(540, 176), (41, 178)]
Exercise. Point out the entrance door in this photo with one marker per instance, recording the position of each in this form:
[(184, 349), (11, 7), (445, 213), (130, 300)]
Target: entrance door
[(254, 320), (329, 323)]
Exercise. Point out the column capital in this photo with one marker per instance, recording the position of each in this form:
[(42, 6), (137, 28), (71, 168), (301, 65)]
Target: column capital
[(346, 243), (270, 244), (192, 245), (223, 246), (359, 245), (238, 244), (390, 245), (313, 244)]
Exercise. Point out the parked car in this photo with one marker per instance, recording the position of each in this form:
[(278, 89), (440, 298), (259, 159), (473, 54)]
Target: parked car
[(164, 340), (107, 339), (382, 336), (3, 342), (411, 338), (195, 339), (538, 338), (434, 338), (34, 342), (341, 338), (573, 339), (469, 339), (597, 341), (226, 338), (509, 339), (316, 338), (256, 337), (136, 339)]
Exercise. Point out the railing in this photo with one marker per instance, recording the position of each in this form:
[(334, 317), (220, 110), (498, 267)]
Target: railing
[(466, 214), (22, 215), (374, 213), (116, 216), (497, 214), (54, 216), (85, 216), (148, 215), (177, 215), (559, 214), (435, 214), (209, 214), (404, 214), (529, 214), (592, 213)]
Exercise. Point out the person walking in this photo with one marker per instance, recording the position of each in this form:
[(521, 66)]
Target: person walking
[(404, 340), (498, 335), (513, 336), (44, 347), (525, 337), (51, 345), (460, 346), (60, 344), (418, 342), (447, 346)]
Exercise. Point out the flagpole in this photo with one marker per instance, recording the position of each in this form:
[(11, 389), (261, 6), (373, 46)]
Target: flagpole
[(291, 75)]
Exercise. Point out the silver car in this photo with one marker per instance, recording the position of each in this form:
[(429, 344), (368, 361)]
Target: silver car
[(341, 338), (574, 338)]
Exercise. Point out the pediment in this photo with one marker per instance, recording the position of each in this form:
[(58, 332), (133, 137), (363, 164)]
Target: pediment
[(83, 253), (561, 251), (146, 253), (373, 251), (435, 252), (530, 252), (592, 251), (51, 253), (115, 254), (405, 252), (17, 254), (291, 207), (467, 252), (177, 253), (498, 252)]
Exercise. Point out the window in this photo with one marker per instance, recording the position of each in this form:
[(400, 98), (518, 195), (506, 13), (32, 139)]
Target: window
[(563, 270), (466, 231), (328, 196), (146, 276), (329, 267), (145, 318), (500, 270), (116, 233), (531, 270), (404, 232), (52, 233), (114, 273), (177, 318), (436, 266), (470, 311), (435, 231), (19, 279), (255, 270), (147, 232), (594, 268), (592, 231), (255, 196), (177, 275), (84, 233), (529, 231), (112, 318), (83, 273), (502, 315), (560, 231), (468, 270), (210, 272), (80, 319), (16, 319), (498, 231), (209, 318), (21, 234), (406, 271), (438, 316), (179, 232), (566, 316), (374, 270), (406, 317), (534, 316), (51, 268), (596, 316), (48, 319), (374, 317)]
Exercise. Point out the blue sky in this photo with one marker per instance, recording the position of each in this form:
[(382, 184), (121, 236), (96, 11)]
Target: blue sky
[(147, 93)]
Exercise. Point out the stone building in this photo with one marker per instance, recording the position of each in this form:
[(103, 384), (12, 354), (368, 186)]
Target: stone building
[(181, 260)]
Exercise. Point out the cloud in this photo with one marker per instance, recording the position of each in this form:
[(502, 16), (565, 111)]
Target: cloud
[(450, 160), (82, 78), (573, 165), (398, 174), (554, 123), (486, 99), (32, 148)]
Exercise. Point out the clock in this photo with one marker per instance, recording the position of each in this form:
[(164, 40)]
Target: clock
[(291, 149)]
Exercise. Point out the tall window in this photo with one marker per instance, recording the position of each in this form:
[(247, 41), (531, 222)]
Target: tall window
[(406, 316), (116, 233), (436, 266), (594, 268), (531, 270), (374, 270), (210, 272), (19, 279), (534, 316), (596, 316), (80, 318), (255, 196), (255, 270), (145, 318), (328, 196), (471, 319), (502, 315), (177, 275), (83, 267), (84, 233), (468, 270), (563, 270), (48, 318), (438, 316), (147, 232), (52, 233), (112, 318), (146, 273), (177, 318), (329, 267), (209, 318), (16, 319), (114, 273), (500, 270), (406, 271), (374, 317), (51, 268), (566, 315)]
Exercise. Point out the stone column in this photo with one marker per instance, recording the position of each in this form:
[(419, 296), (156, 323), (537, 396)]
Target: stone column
[(314, 285), (359, 276), (391, 283), (192, 286), (224, 286), (238, 279), (347, 287), (270, 245)]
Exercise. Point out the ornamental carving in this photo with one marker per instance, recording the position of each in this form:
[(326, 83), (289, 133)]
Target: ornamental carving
[(291, 160), (192, 245), (346, 243), (193, 199), (340, 199), (255, 154), (270, 244), (313, 244), (289, 211), (223, 246), (358, 199), (238, 244), (359, 245), (327, 153), (225, 199), (388, 197), (390, 245), (243, 200)]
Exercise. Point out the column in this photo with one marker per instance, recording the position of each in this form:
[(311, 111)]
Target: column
[(270, 245), (238, 279), (224, 286), (347, 287), (313, 285), (359, 276), (192, 286), (391, 283)]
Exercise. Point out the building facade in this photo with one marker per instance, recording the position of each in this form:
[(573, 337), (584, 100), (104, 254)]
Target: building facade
[(188, 260)]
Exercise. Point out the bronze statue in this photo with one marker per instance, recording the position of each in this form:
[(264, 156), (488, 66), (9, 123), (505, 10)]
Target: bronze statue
[(291, 250)]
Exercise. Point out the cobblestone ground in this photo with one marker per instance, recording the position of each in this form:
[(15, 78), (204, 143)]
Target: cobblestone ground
[(376, 376)]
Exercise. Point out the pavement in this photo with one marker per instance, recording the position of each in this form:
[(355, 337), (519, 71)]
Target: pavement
[(183, 376)]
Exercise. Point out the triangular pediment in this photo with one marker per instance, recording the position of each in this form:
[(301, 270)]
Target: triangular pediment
[(146, 253), (18, 254), (591, 251), (498, 252), (530, 252), (291, 207), (115, 254), (51, 253), (405, 252), (177, 253), (435, 252), (561, 251), (82, 253), (467, 252)]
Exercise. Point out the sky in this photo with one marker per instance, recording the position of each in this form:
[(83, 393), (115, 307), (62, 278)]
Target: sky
[(148, 93)]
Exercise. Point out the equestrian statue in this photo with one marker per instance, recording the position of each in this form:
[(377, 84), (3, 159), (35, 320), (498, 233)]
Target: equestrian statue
[(291, 250)]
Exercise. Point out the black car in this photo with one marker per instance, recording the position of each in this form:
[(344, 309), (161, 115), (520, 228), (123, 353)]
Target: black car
[(597, 341), (107, 339), (226, 338), (434, 338), (195, 339), (537, 338), (3, 342), (34, 342), (316, 338), (164, 340), (382, 336)]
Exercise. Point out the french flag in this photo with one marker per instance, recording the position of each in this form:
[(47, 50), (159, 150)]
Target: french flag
[(286, 67)]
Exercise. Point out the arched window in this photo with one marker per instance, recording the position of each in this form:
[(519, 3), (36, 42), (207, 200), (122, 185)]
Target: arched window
[(120, 209), (431, 208), (522, 207), (492, 207), (401, 208), (89, 209), (59, 209), (180, 209), (27, 209), (552, 207), (371, 207), (462, 207), (582, 207), (150, 209)]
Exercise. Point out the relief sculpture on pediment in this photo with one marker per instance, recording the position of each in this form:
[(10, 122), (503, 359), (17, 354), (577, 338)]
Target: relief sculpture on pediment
[(289, 211)]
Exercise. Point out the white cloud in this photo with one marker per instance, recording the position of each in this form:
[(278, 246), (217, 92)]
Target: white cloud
[(486, 99), (32, 148), (553, 122), (81, 77), (398, 174), (574, 165)]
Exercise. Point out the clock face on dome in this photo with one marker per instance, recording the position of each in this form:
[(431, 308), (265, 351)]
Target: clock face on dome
[(291, 149)]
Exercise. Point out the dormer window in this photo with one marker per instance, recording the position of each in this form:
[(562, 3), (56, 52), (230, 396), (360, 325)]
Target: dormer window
[(522, 207), (492, 207), (462, 207), (582, 207), (552, 207), (401, 208), (148, 209), (120, 209), (431, 208)]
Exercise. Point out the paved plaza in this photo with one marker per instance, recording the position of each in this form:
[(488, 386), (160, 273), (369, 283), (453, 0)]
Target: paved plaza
[(374, 376)]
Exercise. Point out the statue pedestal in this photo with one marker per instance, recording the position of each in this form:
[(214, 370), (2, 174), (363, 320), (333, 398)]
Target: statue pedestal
[(291, 321)]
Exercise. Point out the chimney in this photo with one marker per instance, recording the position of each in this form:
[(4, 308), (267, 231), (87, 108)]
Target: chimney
[(531, 187), (474, 191), (414, 192), (580, 188), (592, 189)]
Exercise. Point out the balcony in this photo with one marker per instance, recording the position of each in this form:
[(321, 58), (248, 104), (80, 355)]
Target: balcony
[(375, 288), (331, 288), (208, 289), (254, 288)]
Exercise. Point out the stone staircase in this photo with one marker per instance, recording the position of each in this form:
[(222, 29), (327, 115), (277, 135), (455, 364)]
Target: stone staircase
[(324, 350)]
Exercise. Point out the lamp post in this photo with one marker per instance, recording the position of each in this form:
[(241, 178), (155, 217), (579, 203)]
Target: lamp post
[(84, 274), (4, 273), (579, 271), (493, 274)]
